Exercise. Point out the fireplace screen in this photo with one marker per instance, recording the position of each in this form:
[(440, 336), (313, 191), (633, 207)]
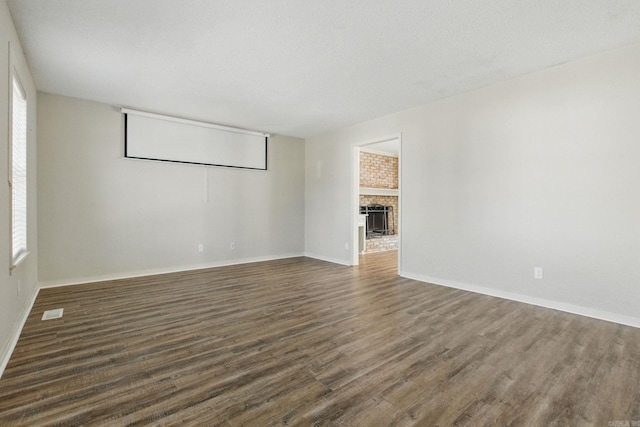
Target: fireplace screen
[(380, 220)]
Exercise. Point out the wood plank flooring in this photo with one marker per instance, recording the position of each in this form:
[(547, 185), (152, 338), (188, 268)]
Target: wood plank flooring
[(305, 342)]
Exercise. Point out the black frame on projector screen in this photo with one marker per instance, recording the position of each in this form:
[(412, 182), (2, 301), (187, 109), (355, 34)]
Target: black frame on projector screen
[(193, 123)]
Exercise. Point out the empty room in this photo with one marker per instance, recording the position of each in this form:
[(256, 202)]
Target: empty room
[(340, 213)]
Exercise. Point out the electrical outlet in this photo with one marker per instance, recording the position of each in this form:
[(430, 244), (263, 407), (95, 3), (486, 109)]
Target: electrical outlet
[(18, 287), (232, 245), (200, 247), (346, 246), (537, 273)]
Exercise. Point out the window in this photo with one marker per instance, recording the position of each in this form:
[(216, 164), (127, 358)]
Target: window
[(18, 173)]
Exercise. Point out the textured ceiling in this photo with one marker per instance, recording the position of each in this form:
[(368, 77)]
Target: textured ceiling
[(298, 67)]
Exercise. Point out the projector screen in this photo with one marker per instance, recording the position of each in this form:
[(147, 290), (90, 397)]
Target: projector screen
[(149, 136)]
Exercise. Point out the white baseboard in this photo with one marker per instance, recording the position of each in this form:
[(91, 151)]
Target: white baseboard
[(17, 330), (541, 302), (327, 259), (154, 271)]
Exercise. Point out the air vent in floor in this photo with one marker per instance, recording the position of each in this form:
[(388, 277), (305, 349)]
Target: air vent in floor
[(52, 314)]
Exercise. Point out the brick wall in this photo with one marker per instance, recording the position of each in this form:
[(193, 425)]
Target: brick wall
[(378, 171), (382, 243)]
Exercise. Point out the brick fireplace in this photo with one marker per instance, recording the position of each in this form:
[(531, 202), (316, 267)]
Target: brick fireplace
[(379, 186)]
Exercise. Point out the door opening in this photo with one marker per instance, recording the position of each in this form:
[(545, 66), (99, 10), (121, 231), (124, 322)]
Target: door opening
[(376, 198)]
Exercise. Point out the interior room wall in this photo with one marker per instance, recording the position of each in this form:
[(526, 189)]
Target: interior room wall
[(18, 289), (538, 171), (103, 216)]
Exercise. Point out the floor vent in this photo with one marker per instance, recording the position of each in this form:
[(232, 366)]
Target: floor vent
[(52, 314)]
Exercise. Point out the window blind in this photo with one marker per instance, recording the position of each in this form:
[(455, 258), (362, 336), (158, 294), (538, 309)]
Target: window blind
[(18, 172)]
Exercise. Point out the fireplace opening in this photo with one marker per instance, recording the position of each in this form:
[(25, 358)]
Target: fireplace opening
[(380, 220)]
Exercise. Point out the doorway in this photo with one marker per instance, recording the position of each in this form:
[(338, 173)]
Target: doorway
[(377, 197)]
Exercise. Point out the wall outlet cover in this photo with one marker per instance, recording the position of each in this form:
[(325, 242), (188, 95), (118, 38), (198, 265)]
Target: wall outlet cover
[(537, 273)]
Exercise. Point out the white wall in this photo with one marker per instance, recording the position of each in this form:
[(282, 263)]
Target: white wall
[(541, 170), (17, 291), (104, 216)]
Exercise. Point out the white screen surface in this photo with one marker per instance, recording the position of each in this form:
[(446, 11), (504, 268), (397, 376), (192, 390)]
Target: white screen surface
[(154, 137)]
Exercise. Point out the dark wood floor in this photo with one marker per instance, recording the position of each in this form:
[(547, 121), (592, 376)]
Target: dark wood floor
[(305, 342)]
